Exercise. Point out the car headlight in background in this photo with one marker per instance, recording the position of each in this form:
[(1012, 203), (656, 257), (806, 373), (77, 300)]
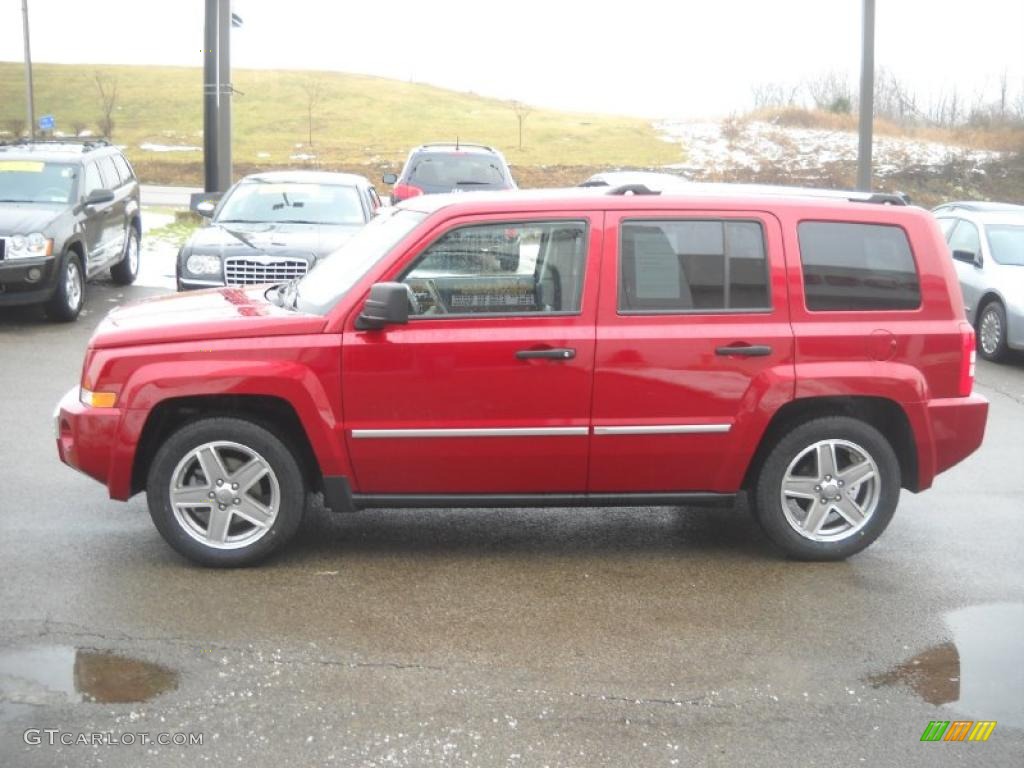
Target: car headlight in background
[(32, 246), (200, 264)]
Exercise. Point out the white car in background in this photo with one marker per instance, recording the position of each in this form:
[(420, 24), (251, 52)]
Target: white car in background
[(987, 244)]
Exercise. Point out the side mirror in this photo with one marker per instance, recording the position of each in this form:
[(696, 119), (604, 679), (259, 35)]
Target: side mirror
[(967, 257), (387, 304), (100, 196), (389, 178), (206, 208)]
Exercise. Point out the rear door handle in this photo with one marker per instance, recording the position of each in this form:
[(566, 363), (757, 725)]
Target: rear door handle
[(745, 350), (558, 353)]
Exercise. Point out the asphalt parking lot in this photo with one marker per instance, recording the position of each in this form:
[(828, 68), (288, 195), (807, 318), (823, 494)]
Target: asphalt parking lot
[(515, 637)]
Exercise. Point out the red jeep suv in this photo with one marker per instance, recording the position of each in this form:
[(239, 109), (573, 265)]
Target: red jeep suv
[(583, 347)]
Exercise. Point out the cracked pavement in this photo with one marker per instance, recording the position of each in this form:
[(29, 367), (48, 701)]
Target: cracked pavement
[(566, 637)]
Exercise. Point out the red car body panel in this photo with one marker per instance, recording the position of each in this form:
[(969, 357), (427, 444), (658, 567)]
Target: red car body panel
[(662, 370), (462, 373), (465, 375)]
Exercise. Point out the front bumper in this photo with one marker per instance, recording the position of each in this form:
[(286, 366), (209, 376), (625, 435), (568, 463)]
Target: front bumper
[(195, 283), (1015, 327), (958, 427), (86, 437), (17, 285)]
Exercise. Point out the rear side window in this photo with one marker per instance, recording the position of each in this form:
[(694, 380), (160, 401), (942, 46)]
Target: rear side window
[(110, 176), (689, 265), (123, 168), (857, 267)]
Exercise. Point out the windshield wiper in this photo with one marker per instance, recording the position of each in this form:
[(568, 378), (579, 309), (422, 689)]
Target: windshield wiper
[(459, 183), (297, 221)]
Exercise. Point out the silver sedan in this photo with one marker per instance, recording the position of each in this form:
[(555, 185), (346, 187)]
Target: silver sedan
[(987, 244)]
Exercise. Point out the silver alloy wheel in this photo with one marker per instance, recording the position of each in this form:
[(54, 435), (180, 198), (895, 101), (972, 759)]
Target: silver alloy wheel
[(830, 490), (991, 331), (225, 495), (133, 253), (73, 285)]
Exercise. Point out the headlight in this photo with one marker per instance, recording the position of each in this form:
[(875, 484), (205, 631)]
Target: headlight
[(32, 246), (199, 264)]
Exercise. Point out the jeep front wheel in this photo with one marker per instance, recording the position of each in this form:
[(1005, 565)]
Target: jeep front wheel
[(827, 489), (225, 492)]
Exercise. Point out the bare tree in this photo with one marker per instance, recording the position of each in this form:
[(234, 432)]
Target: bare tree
[(768, 95), (831, 92), (313, 88), (106, 86), (15, 126), (79, 126), (522, 112)]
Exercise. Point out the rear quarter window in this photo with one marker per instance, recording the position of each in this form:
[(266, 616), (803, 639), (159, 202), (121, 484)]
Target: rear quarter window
[(858, 267)]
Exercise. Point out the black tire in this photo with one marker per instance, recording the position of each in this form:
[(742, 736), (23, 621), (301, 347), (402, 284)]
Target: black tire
[(995, 314), (127, 269), (66, 304), (769, 509), (283, 467)]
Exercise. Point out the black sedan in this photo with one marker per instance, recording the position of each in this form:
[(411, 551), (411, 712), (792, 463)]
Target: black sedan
[(271, 227)]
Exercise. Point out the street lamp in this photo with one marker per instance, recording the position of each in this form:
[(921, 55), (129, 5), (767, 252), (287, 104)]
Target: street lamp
[(29, 92)]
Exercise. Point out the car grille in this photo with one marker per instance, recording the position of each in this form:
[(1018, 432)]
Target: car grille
[(265, 269)]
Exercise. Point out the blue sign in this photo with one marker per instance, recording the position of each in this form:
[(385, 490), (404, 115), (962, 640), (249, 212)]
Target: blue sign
[(46, 123)]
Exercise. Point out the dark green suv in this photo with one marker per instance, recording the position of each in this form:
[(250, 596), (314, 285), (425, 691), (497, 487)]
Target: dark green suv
[(68, 211)]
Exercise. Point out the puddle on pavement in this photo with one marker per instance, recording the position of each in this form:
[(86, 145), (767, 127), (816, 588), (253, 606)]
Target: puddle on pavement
[(978, 673), (57, 674)]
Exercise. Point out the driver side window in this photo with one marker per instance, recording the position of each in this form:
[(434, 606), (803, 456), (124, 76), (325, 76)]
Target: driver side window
[(92, 179), (966, 238), (515, 268)]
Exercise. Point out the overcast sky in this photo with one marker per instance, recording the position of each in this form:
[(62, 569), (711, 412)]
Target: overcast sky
[(643, 57)]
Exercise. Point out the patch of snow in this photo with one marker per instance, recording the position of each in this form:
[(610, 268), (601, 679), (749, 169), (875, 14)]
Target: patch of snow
[(303, 156), (262, 154), (758, 145), (169, 148)]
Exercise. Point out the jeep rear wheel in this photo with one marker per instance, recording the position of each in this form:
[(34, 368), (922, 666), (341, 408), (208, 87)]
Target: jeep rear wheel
[(225, 492), (827, 489), (127, 269)]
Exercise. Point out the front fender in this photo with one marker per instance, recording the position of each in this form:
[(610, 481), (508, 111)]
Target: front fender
[(311, 385)]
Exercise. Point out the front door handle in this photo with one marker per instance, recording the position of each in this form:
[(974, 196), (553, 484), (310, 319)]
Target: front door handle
[(745, 350), (559, 353)]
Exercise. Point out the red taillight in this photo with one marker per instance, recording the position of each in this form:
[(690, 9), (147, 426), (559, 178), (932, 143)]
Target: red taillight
[(405, 191), (968, 353)]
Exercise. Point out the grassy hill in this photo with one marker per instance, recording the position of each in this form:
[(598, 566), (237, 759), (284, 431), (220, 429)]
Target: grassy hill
[(360, 123)]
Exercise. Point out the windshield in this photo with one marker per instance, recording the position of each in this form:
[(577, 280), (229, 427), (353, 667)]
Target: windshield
[(436, 170), (1006, 242), (34, 181), (333, 276), (256, 201)]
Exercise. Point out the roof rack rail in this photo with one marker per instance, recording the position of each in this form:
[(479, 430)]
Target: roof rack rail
[(632, 189), (884, 198), (458, 144), (85, 143)]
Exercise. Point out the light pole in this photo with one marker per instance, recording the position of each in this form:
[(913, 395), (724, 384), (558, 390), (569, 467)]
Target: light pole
[(29, 93), (867, 97), (217, 92)]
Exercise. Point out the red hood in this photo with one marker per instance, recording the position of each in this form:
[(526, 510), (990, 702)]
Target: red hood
[(218, 313)]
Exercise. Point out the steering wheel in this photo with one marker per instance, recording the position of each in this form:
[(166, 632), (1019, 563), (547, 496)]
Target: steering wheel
[(414, 303), (54, 192), (436, 295)]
